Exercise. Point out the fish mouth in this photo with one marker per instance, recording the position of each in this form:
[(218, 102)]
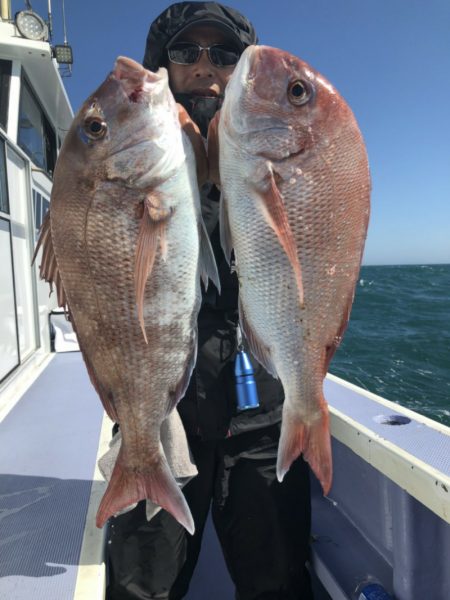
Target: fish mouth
[(137, 82), (250, 68)]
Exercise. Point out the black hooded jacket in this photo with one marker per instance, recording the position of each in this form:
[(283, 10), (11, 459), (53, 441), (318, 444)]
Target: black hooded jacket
[(208, 408)]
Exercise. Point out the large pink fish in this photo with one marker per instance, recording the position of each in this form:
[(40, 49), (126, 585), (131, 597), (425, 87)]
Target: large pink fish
[(125, 245), (295, 207)]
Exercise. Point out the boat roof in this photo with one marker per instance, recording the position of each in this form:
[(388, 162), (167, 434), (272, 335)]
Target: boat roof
[(42, 72)]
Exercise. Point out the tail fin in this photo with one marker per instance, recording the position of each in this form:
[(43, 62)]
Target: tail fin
[(313, 440), (128, 486)]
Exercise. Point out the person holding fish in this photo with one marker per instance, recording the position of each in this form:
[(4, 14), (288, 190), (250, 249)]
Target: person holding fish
[(263, 525)]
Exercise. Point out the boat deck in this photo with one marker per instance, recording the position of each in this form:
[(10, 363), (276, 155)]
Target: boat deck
[(46, 481), (50, 488)]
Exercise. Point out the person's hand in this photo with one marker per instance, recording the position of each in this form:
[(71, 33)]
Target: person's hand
[(213, 150), (195, 137)]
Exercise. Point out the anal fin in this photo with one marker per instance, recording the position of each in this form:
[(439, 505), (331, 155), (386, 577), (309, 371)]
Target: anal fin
[(183, 383), (105, 395), (259, 350)]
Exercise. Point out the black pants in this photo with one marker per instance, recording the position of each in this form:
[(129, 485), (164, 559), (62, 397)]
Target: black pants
[(263, 527)]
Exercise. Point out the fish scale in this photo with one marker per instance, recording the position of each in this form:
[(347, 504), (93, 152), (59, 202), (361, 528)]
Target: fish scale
[(295, 193)]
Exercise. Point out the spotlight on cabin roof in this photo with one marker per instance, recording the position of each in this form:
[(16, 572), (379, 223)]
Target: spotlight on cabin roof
[(63, 54), (31, 26)]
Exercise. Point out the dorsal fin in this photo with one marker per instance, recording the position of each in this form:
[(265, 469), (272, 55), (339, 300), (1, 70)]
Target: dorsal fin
[(226, 240), (48, 269), (207, 261)]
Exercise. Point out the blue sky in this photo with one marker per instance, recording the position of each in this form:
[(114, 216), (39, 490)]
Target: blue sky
[(390, 59)]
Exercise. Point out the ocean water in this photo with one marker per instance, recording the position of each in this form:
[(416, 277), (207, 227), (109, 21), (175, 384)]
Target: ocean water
[(397, 343)]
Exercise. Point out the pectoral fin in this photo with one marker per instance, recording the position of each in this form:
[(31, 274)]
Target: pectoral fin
[(274, 211), (152, 231)]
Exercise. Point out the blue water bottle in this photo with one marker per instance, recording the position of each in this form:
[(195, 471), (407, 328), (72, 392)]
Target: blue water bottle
[(371, 589), (246, 391)]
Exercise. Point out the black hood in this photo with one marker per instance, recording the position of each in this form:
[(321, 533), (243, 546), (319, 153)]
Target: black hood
[(177, 17)]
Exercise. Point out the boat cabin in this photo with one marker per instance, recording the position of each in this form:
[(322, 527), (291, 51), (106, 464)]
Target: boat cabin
[(35, 113)]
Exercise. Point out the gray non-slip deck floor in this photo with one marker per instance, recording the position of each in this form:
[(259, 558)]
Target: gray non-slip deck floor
[(48, 448)]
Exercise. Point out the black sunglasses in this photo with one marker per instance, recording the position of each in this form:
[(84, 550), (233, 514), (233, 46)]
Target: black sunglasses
[(188, 53)]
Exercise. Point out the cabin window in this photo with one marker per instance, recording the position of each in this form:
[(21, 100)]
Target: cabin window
[(41, 204), (4, 201), (5, 78), (36, 136)]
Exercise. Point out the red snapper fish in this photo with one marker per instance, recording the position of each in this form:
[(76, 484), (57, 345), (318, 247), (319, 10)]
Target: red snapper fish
[(125, 246), (295, 184)]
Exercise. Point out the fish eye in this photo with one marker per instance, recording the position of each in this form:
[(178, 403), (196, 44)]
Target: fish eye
[(95, 128), (299, 92)]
